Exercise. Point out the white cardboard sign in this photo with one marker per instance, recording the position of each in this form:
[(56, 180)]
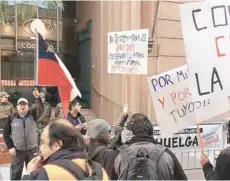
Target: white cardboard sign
[(128, 52), (173, 104)]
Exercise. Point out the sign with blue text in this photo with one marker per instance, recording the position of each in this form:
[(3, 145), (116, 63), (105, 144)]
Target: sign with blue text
[(173, 104)]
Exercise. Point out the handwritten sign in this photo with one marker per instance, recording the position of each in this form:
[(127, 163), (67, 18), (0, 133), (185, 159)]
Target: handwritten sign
[(206, 33), (187, 139), (128, 52), (173, 102)]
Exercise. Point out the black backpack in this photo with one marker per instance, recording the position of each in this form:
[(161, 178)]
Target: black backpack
[(78, 172), (142, 165)]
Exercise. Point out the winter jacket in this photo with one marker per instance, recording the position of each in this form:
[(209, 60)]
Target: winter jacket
[(43, 120), (100, 153), (56, 172), (168, 166), (37, 108), (20, 132)]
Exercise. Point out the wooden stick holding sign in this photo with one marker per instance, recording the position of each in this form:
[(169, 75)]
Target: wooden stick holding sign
[(128, 54), (200, 140), (126, 89)]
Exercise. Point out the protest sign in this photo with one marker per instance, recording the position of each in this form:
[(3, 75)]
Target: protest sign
[(206, 33), (128, 52), (173, 104), (187, 139)]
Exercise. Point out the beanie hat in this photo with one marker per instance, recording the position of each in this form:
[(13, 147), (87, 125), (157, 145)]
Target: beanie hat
[(98, 129)]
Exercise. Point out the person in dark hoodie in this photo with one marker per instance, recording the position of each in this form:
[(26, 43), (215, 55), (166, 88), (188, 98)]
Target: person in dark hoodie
[(101, 147), (138, 138), (221, 171), (63, 156), (99, 132), (76, 118)]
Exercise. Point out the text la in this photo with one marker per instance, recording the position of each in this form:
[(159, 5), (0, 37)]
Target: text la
[(215, 79)]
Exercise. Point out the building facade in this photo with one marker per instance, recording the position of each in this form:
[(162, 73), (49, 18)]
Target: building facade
[(109, 90), (18, 48)]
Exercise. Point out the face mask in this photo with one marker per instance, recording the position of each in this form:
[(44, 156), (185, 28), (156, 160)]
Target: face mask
[(126, 135)]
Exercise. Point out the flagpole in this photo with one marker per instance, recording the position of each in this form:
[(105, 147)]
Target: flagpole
[(37, 58)]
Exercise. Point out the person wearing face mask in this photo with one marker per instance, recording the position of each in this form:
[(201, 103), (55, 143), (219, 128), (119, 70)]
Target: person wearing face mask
[(20, 137)]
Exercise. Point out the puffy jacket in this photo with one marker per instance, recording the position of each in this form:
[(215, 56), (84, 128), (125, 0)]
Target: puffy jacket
[(20, 132)]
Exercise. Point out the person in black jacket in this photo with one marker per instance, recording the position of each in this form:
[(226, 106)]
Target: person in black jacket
[(44, 118), (100, 147), (221, 171), (76, 118), (138, 134)]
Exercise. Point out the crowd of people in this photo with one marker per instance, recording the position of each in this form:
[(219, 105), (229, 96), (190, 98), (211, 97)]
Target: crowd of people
[(54, 149)]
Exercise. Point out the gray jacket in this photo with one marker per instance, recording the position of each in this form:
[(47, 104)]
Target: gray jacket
[(20, 132), (165, 166)]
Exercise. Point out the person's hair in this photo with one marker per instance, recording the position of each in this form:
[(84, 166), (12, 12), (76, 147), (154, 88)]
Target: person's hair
[(62, 131), (73, 103), (139, 124)]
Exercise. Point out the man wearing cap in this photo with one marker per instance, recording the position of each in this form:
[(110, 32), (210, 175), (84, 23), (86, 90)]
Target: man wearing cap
[(6, 108), (20, 137)]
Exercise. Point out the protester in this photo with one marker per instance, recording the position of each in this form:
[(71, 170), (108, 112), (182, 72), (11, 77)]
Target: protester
[(141, 158), (99, 136), (44, 119), (6, 108), (221, 171), (58, 111), (63, 156), (20, 137), (76, 118), (37, 105)]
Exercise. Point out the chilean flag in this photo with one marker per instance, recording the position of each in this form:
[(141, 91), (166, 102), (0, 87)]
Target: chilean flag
[(52, 72)]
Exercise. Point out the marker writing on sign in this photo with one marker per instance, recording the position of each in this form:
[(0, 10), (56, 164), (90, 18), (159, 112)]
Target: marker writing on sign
[(162, 101), (166, 80), (215, 79), (181, 95), (189, 107), (216, 13)]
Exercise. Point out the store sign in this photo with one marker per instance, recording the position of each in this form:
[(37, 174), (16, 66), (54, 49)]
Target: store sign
[(43, 26), (17, 82), (32, 46), (8, 83)]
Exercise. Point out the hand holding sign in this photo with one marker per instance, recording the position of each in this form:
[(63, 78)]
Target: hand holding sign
[(203, 160)]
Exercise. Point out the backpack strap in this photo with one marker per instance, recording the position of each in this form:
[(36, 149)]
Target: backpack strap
[(77, 171), (157, 152), (73, 168), (128, 154)]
